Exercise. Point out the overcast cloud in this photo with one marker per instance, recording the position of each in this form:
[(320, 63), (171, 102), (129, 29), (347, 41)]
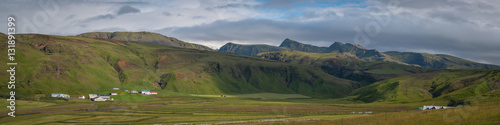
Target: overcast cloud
[(463, 28)]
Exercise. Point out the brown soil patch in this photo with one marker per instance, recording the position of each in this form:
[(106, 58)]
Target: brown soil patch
[(72, 40), (43, 44), (51, 40), (304, 61), (180, 76), (163, 58), (122, 63), (333, 62), (283, 83)]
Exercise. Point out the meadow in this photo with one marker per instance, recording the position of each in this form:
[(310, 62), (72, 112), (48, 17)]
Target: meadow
[(257, 108)]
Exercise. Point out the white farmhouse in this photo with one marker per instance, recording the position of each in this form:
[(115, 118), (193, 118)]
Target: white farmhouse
[(58, 95)]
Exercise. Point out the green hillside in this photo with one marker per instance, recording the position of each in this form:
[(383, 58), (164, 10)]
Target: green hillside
[(144, 37), (452, 86), (438, 61), (249, 50), (345, 65), (82, 65)]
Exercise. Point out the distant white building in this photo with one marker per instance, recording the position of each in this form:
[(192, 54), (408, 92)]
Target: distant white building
[(113, 93), (154, 93), (80, 97), (58, 95), (146, 92), (134, 92), (91, 96), (432, 107), (116, 88), (99, 97)]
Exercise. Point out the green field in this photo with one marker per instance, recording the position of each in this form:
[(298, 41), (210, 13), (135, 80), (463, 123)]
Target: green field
[(259, 108)]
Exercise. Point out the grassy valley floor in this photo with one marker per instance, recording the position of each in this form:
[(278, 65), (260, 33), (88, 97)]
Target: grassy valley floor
[(259, 108)]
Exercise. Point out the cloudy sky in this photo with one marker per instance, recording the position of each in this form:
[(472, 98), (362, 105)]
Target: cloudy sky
[(463, 28)]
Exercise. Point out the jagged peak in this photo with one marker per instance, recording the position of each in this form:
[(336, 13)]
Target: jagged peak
[(342, 45), (338, 43), (230, 44), (290, 40), (287, 42), (357, 46)]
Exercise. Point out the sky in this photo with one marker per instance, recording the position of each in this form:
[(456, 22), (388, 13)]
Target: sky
[(468, 29)]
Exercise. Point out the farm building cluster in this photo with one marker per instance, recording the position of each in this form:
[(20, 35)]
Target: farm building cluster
[(433, 107), (105, 97)]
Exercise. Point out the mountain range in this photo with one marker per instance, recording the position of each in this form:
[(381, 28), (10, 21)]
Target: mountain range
[(436, 61), (96, 62)]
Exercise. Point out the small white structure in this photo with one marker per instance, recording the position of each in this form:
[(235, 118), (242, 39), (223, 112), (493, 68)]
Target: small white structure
[(146, 92), (108, 97), (91, 96), (134, 92), (99, 97), (80, 97), (116, 88), (113, 93), (432, 107), (58, 95), (153, 93)]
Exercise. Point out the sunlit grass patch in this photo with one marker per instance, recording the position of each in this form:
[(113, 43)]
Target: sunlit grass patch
[(264, 96), (24, 104), (132, 97)]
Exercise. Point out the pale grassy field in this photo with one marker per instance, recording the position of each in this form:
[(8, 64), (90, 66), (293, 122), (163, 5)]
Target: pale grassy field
[(264, 96), (260, 108)]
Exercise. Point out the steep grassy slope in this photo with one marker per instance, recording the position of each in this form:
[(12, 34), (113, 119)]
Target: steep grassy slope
[(81, 65), (453, 86), (345, 65), (249, 50), (438, 61), (144, 37)]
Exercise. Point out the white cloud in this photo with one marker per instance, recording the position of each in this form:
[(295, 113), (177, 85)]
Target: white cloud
[(462, 28)]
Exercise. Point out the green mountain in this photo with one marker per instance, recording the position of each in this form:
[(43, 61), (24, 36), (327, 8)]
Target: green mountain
[(296, 46), (83, 65), (345, 65), (249, 50), (438, 61), (144, 37), (360, 52), (454, 86)]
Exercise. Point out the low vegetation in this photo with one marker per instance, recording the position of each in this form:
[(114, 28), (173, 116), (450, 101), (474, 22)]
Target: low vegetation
[(294, 85)]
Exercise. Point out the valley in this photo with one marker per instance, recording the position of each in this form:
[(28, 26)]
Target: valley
[(294, 83)]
